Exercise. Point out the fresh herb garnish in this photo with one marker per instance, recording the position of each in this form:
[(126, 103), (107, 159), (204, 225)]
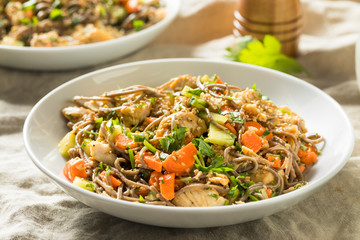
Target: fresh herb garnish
[(139, 137), (196, 92), (149, 146), (214, 195), (266, 54), (132, 159), (235, 117), (266, 132), (216, 165), (98, 122), (175, 140), (304, 148), (138, 24), (56, 14), (203, 147), (142, 200)]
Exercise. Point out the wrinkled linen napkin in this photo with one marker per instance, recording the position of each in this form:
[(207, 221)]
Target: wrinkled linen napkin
[(33, 207)]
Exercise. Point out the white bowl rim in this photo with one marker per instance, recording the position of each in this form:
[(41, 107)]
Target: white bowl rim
[(311, 186), (168, 18)]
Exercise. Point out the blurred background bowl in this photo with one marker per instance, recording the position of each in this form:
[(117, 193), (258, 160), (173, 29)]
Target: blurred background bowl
[(72, 57)]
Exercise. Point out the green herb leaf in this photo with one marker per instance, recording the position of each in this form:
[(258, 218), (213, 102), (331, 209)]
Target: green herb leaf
[(142, 200), (138, 24), (174, 141), (266, 132), (56, 14), (235, 117), (196, 92), (304, 148), (241, 44), (203, 147), (266, 54)]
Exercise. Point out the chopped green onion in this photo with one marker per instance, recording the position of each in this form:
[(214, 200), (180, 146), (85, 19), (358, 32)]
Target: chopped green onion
[(198, 103), (139, 137), (142, 200), (214, 195), (138, 24), (229, 98), (93, 133), (304, 148), (285, 111), (132, 159), (266, 132), (149, 146), (253, 198), (163, 155), (56, 14), (185, 179)]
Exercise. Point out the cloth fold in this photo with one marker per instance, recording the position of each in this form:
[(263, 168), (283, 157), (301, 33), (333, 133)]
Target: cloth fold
[(33, 207)]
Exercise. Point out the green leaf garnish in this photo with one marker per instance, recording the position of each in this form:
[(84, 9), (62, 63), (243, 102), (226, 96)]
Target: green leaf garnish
[(174, 141), (266, 54)]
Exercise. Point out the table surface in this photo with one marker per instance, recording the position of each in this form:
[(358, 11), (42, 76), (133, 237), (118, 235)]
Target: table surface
[(33, 207)]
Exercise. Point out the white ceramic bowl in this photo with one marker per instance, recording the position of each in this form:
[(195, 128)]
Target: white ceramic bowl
[(44, 127), (72, 57)]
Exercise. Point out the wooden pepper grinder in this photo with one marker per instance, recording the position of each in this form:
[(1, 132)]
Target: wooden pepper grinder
[(280, 18)]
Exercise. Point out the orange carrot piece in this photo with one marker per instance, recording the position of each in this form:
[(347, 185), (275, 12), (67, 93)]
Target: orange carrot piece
[(268, 192), (269, 136), (143, 191), (154, 179), (167, 186), (227, 109), (251, 140), (308, 156), (132, 6), (276, 161), (150, 119), (302, 167), (114, 181), (260, 129), (29, 13), (123, 142), (189, 138), (74, 168), (219, 81), (152, 161), (181, 161), (231, 128)]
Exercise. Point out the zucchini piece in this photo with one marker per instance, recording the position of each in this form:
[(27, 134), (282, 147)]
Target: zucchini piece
[(66, 143), (115, 130), (85, 184), (198, 103), (219, 137), (86, 146), (221, 119)]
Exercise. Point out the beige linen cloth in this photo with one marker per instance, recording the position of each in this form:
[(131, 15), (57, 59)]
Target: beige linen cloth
[(33, 207)]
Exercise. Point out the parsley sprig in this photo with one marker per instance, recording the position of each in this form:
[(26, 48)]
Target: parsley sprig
[(174, 141), (266, 54), (216, 162)]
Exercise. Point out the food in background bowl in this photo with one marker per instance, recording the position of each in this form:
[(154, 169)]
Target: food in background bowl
[(56, 23), (191, 142)]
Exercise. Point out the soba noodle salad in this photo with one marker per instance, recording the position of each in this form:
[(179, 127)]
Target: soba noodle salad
[(194, 141), (57, 23)]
